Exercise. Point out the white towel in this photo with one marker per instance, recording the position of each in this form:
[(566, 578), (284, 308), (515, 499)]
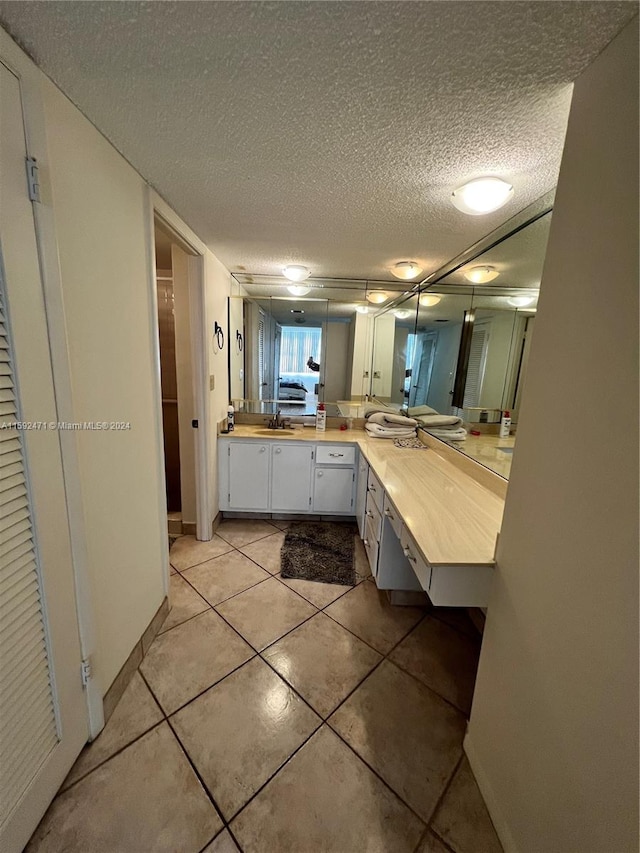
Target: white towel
[(448, 434), (440, 421), (372, 408), (416, 411), (378, 431), (389, 419)]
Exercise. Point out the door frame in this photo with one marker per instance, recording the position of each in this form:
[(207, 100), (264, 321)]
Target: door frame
[(29, 77), (157, 209)]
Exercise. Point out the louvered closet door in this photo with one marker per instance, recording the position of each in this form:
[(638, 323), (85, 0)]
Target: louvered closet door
[(43, 722)]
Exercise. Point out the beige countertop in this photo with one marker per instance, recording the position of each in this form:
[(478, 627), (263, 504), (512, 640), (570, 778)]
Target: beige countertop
[(452, 518), (489, 450)]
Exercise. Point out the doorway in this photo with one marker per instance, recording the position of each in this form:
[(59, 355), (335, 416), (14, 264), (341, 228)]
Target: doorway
[(178, 302)]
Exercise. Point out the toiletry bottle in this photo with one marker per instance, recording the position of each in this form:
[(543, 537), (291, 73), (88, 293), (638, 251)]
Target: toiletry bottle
[(505, 424), (230, 419), (321, 418)]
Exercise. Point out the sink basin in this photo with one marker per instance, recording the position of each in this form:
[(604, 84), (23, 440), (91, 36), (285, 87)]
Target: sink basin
[(276, 432)]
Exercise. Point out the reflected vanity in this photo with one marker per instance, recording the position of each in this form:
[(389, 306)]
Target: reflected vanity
[(458, 343)]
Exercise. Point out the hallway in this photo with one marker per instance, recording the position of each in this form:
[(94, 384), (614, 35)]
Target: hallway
[(290, 716)]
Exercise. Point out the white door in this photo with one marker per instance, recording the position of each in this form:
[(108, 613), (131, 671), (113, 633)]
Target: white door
[(291, 478), (248, 476), (43, 714)]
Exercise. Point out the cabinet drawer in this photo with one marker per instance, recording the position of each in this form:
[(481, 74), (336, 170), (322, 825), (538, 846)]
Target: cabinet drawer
[(335, 454), (373, 520), (419, 565), (371, 545), (375, 489), (390, 512)]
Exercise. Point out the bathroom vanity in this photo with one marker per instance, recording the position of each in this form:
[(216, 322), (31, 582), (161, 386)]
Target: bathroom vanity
[(426, 524)]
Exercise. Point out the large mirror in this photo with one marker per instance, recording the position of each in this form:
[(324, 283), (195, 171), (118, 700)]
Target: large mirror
[(290, 352), (466, 355)]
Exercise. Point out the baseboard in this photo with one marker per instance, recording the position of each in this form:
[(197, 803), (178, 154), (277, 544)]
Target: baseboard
[(216, 522), (122, 679), (188, 528), (490, 800)]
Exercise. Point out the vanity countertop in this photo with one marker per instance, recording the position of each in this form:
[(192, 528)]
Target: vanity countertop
[(452, 518)]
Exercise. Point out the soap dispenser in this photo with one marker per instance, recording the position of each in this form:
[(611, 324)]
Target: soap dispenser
[(321, 418), (505, 424)]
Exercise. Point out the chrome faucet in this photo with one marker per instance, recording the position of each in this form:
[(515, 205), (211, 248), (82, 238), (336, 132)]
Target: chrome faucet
[(277, 422)]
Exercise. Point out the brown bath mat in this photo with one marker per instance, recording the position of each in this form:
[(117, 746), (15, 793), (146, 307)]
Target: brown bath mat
[(319, 551)]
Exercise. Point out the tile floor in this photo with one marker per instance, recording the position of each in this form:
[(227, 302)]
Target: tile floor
[(281, 716)]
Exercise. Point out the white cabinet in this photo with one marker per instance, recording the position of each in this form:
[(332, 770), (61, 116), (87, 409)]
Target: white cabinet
[(333, 490), (248, 479), (291, 466)]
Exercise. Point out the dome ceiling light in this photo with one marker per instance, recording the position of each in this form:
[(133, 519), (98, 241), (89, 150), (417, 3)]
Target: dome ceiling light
[(481, 274), (377, 296), (406, 270), (521, 301), (298, 290), (483, 195), (295, 272), (428, 300)]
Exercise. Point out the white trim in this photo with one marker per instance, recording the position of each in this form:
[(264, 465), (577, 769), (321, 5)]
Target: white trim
[(199, 355), (488, 795), (156, 391), (200, 380), (44, 221)]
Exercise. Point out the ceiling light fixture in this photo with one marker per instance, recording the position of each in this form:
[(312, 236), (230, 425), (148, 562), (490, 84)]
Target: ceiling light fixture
[(298, 290), (521, 301), (483, 195), (428, 300), (362, 309), (402, 315), (481, 274), (406, 270), (295, 272), (377, 296)]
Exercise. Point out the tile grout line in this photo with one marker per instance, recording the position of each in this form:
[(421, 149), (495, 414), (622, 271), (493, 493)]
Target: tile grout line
[(445, 790)]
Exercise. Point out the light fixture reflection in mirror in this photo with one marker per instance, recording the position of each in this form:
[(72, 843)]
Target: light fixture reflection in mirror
[(401, 314), (521, 301), (298, 290), (377, 297), (362, 309), (428, 300)]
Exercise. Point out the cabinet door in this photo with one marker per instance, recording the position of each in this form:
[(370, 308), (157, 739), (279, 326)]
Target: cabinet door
[(291, 478), (248, 475), (333, 490), (361, 494)]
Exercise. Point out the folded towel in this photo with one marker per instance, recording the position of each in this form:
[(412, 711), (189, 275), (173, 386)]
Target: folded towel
[(389, 419), (448, 434), (372, 408), (422, 410), (440, 420), (378, 431)]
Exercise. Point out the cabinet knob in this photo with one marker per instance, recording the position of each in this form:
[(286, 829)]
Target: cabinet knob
[(262, 449), (366, 542), (388, 514), (278, 450), (369, 513), (408, 555), (320, 473), (372, 488)]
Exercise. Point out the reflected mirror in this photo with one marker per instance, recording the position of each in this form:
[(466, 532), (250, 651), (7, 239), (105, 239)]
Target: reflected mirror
[(467, 354), (289, 353)]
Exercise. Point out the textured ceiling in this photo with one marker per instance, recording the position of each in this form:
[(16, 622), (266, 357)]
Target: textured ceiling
[(325, 133)]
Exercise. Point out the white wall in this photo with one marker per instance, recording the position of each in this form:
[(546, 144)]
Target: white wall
[(99, 204), (553, 737)]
